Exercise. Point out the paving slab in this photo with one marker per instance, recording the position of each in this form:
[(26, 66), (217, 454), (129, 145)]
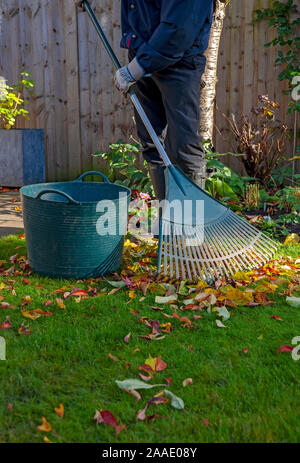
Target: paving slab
[(11, 220)]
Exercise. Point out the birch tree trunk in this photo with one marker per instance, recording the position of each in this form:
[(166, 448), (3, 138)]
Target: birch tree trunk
[(209, 79)]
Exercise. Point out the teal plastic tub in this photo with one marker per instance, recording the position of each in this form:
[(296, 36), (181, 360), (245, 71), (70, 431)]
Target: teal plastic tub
[(75, 229)]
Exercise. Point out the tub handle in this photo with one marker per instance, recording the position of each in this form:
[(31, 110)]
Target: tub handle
[(65, 195), (92, 172)]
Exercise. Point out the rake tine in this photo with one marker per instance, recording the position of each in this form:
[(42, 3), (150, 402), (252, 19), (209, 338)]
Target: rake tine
[(219, 251), (241, 239), (191, 259), (181, 255), (260, 251), (187, 261), (230, 248)]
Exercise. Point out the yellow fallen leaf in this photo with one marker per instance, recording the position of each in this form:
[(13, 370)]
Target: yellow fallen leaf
[(60, 411), (236, 295), (151, 362), (266, 287), (48, 441), (31, 315), (242, 276), (293, 238), (60, 303), (45, 426), (132, 294)]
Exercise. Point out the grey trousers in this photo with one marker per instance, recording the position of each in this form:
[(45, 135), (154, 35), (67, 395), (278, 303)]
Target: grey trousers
[(171, 99)]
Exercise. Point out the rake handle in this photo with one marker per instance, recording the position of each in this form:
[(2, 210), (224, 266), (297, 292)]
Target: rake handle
[(84, 4)]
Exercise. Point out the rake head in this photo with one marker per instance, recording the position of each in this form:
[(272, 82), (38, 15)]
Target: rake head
[(201, 238)]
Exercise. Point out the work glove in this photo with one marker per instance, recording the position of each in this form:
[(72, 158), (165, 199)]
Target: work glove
[(128, 75)]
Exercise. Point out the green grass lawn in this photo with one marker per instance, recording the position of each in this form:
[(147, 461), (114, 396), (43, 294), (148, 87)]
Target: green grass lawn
[(251, 397)]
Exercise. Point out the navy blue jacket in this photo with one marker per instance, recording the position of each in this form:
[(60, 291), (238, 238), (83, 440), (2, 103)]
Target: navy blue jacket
[(162, 32)]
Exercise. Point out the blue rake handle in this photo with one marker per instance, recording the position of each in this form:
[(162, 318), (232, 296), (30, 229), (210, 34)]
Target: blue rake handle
[(84, 4)]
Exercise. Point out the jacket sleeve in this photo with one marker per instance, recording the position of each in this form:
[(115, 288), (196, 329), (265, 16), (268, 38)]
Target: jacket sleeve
[(180, 24)]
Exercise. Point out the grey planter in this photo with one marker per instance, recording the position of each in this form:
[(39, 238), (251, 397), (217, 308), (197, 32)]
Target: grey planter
[(22, 157)]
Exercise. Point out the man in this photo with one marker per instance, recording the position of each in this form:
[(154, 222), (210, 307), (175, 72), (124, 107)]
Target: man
[(166, 40)]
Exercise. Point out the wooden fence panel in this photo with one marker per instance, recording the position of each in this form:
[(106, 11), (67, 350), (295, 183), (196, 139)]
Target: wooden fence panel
[(75, 101)]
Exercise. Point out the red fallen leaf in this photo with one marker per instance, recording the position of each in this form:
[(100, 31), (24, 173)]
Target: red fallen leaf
[(197, 317), (285, 348), (135, 394), (40, 287), (126, 339), (10, 406), (151, 417), (160, 365), (147, 368), (13, 258), (206, 422), (6, 305), (175, 315), (41, 312), (277, 317), (106, 417), (246, 350), (141, 416), (78, 292), (26, 281), (6, 324), (168, 380), (48, 302), (24, 330)]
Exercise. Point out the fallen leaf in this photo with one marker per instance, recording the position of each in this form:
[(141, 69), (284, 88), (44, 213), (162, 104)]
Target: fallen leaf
[(10, 406), (134, 393), (45, 426), (134, 384), (285, 348), (160, 365), (126, 339), (293, 301), (60, 303), (187, 381), (277, 317), (112, 357), (31, 315), (117, 284), (206, 422), (106, 417), (223, 312), (48, 302), (166, 300), (24, 330), (176, 402), (246, 350), (220, 324), (6, 324), (48, 441), (60, 411)]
